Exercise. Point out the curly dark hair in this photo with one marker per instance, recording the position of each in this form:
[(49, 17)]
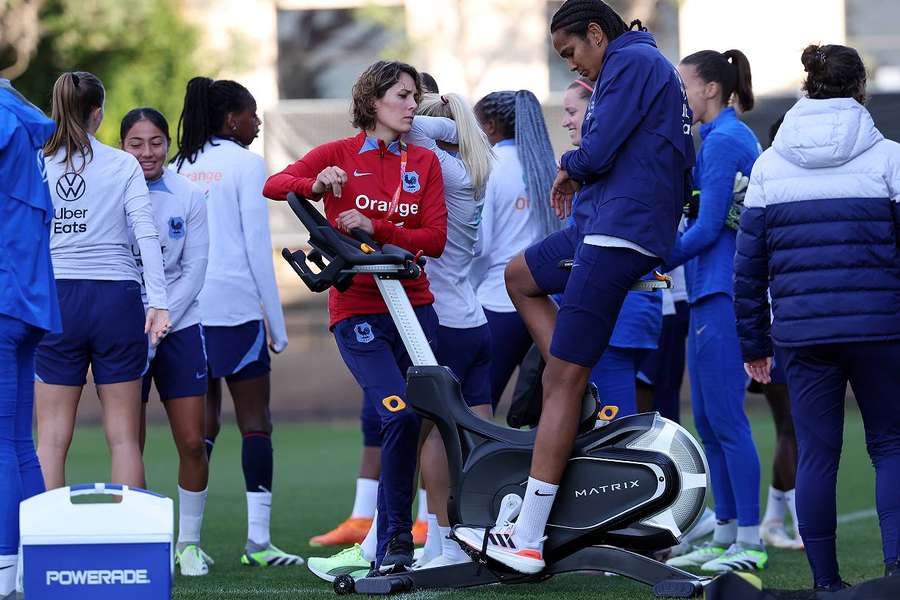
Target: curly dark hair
[(834, 71), (373, 84)]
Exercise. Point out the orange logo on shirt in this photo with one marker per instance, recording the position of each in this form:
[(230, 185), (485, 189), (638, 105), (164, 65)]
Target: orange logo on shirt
[(522, 203)]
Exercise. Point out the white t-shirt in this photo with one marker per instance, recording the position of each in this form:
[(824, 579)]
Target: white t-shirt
[(508, 227), (98, 209), (180, 209), (455, 301), (240, 277)]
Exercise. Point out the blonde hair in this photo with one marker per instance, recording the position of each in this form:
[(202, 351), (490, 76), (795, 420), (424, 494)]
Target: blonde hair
[(474, 148), (75, 96)]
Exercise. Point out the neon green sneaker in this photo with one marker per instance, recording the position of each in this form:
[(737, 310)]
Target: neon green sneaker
[(192, 561), (698, 557), (270, 557), (739, 557), (346, 562)]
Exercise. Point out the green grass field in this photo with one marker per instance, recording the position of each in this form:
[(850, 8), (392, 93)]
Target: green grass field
[(315, 473)]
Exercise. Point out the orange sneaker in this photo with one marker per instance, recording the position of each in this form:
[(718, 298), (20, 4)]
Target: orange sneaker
[(351, 531), (420, 532)]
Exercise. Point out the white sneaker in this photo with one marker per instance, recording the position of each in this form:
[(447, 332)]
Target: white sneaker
[(502, 548), (191, 561), (773, 533), (442, 561)]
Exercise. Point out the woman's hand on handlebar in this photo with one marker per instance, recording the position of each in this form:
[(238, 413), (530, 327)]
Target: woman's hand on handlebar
[(330, 178), (561, 194), (353, 219)]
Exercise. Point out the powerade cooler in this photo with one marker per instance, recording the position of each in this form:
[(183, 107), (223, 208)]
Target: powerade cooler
[(97, 551)]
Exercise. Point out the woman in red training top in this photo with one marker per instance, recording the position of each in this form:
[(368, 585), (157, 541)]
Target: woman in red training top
[(395, 193)]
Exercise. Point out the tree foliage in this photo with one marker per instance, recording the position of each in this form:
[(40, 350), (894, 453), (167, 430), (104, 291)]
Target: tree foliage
[(142, 50)]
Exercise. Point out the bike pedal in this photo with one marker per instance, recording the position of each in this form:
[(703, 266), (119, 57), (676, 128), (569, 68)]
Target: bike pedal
[(678, 588)]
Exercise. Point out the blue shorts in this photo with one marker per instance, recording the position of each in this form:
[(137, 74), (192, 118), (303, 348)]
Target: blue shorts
[(179, 366), (467, 352), (237, 352), (103, 327), (593, 291)]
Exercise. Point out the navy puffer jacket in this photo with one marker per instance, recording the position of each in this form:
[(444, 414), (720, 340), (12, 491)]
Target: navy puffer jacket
[(820, 233)]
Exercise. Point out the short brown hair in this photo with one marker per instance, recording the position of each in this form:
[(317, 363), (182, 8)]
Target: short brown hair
[(373, 84)]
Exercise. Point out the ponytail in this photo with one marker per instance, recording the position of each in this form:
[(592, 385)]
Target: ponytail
[(75, 96), (743, 87), (731, 70), (206, 105), (537, 159), (474, 149)]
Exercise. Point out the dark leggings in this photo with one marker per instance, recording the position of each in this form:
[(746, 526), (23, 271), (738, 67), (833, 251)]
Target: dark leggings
[(510, 342)]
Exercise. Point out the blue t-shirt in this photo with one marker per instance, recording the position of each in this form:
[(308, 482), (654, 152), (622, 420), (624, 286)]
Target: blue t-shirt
[(27, 288)]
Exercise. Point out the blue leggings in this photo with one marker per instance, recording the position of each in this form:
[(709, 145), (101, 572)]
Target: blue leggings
[(717, 397), (20, 471), (614, 377), (510, 342), (817, 379)]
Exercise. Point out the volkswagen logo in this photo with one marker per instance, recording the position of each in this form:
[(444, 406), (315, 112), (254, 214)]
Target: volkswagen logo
[(70, 187)]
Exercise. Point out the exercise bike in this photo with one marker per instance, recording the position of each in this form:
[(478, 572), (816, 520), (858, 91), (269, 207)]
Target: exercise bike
[(633, 486)]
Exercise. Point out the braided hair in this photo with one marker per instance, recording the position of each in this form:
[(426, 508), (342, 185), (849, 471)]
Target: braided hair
[(574, 17), (518, 116), (206, 105)]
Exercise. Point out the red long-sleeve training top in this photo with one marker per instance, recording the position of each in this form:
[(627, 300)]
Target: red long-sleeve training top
[(373, 173)]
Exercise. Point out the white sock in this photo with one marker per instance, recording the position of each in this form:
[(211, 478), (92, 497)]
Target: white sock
[(190, 515), (539, 497), (725, 532), (8, 574), (423, 506), (791, 501), (774, 506), (366, 498), (748, 536), (449, 548), (432, 540), (369, 546), (259, 511)]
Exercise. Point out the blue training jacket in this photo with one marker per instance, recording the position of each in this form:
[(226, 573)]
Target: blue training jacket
[(821, 232), (27, 288), (636, 148), (707, 246)]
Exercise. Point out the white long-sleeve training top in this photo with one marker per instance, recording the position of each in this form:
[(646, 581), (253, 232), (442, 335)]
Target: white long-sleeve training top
[(98, 209), (508, 227), (240, 277), (180, 210), (455, 301)]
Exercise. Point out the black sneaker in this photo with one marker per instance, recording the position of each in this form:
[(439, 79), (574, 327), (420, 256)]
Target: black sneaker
[(399, 554), (834, 587)]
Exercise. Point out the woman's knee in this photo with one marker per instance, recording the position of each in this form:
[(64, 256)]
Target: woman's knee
[(192, 449), (519, 281)]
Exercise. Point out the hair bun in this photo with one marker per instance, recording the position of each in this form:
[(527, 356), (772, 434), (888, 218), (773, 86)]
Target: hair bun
[(813, 59)]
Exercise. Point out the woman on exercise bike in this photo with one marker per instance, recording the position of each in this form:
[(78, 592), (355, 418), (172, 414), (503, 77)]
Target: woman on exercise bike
[(625, 226), (393, 192)]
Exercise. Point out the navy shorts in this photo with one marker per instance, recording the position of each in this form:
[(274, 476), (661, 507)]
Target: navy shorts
[(179, 367), (592, 291), (103, 327), (467, 352), (237, 352)]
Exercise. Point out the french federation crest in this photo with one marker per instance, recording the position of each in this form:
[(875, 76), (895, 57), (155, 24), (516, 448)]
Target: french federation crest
[(364, 333), (411, 182), (176, 228)]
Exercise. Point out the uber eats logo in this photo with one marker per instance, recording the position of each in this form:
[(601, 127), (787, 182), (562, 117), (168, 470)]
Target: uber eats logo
[(70, 187)]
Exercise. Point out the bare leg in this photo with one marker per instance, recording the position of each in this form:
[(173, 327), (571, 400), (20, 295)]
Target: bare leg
[(121, 421), (784, 464), (370, 465), (55, 406), (186, 416), (534, 306)]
